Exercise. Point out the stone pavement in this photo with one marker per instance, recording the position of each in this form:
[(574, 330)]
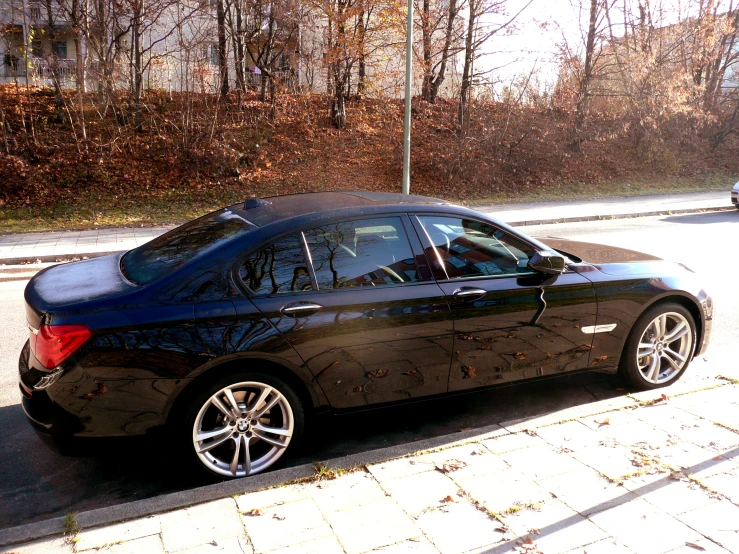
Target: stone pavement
[(63, 245), (651, 474)]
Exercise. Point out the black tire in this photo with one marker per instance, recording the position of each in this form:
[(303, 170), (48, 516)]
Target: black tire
[(628, 368), (184, 424)]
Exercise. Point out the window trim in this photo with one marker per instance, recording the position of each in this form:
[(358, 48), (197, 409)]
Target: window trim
[(417, 221), (240, 260)]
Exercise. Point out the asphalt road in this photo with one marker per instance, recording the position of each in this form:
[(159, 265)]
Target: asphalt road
[(36, 483)]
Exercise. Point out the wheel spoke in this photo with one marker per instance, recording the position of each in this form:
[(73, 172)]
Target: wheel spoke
[(266, 407), (269, 440), (668, 355), (235, 410), (262, 397), (645, 349), (221, 406), (677, 333), (247, 456), (211, 445), (653, 371), (235, 459), (274, 430), (205, 435)]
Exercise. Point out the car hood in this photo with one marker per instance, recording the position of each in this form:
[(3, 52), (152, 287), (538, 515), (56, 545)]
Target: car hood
[(77, 282), (611, 259)]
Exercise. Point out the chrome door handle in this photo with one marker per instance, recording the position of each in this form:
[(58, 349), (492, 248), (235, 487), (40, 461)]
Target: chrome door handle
[(298, 309), (469, 293)]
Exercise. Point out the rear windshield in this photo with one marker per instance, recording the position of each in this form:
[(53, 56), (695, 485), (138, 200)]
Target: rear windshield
[(166, 253)]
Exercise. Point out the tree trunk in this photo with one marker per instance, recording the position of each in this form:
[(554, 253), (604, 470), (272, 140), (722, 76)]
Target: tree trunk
[(426, 41), (239, 48), (222, 59), (439, 79), (469, 53), (138, 76), (584, 93), (361, 69)]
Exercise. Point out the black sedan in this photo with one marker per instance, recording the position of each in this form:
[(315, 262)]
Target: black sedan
[(233, 329)]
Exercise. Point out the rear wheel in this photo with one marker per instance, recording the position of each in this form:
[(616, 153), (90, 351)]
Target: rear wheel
[(659, 348), (242, 424)]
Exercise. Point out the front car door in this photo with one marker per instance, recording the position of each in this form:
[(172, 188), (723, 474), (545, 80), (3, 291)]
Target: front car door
[(510, 322), (357, 301)]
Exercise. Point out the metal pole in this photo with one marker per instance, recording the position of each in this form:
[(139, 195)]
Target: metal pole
[(408, 86)]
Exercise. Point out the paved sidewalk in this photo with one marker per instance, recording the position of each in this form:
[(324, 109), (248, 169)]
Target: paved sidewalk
[(64, 245), (648, 475)]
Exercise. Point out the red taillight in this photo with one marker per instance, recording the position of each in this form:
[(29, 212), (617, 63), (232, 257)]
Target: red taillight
[(55, 343)]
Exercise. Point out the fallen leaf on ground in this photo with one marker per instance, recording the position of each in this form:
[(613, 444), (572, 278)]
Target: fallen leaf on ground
[(448, 499), (452, 465), (255, 512), (665, 397), (520, 355), (695, 546), (599, 359), (606, 421), (275, 516), (377, 373), (469, 372)]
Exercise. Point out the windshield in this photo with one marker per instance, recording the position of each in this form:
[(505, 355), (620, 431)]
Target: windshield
[(166, 253)]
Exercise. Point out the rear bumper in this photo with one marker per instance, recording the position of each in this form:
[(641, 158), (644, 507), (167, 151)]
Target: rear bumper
[(47, 418)]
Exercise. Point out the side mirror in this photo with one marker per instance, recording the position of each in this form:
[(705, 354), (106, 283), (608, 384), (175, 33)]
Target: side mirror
[(547, 261)]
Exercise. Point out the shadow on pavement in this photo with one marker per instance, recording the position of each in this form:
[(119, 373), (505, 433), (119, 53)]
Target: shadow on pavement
[(706, 218), (37, 483)]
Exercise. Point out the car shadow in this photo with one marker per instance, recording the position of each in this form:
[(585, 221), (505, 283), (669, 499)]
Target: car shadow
[(37, 483)]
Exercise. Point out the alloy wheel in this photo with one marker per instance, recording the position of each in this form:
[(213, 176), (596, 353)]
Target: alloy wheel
[(243, 429), (665, 348)]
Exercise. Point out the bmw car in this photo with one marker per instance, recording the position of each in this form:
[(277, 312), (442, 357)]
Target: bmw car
[(233, 329)]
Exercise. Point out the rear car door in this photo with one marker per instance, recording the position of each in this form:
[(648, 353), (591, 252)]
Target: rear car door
[(357, 301), (510, 322)]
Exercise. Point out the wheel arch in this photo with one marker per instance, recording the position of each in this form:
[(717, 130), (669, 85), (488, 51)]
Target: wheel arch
[(688, 302), (309, 396)]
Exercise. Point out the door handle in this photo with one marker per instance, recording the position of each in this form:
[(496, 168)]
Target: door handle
[(294, 310), (469, 293)]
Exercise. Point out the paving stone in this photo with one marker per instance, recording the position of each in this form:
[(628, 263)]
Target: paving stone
[(272, 497), (371, 526), (286, 525), (685, 456), (414, 546), (587, 492), (553, 526), (607, 458), (460, 527), (150, 545), (717, 412), (350, 490), (541, 461), (233, 545), (644, 529), (671, 496), (57, 545), (718, 522), (470, 459), (218, 520), (570, 435), (327, 545), (400, 468), (637, 434), (704, 545), (726, 484), (111, 534), (500, 491), (507, 443), (606, 546), (416, 493), (599, 422)]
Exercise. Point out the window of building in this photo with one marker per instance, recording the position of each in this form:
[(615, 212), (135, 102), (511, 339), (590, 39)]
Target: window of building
[(59, 47)]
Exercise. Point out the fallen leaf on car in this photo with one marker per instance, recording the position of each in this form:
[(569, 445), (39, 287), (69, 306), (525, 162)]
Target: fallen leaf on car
[(599, 359), (357, 389), (466, 337), (377, 373), (484, 347), (511, 336), (411, 372)]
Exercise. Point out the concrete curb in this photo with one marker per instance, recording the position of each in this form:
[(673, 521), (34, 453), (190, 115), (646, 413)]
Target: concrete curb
[(183, 499), (585, 218)]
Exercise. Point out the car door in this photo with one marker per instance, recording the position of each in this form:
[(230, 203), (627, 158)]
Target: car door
[(510, 322), (359, 304)]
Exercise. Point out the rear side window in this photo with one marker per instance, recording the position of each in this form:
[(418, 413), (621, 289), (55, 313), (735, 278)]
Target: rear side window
[(166, 253), (277, 268), (368, 252)]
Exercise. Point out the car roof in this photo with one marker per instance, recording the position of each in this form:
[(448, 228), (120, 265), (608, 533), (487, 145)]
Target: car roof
[(263, 211)]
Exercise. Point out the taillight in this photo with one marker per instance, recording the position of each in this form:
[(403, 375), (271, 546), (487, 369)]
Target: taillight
[(55, 343)]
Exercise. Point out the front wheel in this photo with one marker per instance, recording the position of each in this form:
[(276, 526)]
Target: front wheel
[(243, 424), (659, 347)]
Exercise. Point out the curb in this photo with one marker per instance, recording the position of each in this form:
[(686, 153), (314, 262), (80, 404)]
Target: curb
[(190, 497), (585, 218)]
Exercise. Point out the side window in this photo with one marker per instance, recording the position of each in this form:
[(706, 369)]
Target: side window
[(368, 252), (469, 248), (277, 268)]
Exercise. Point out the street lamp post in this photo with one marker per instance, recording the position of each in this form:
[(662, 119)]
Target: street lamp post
[(407, 121)]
